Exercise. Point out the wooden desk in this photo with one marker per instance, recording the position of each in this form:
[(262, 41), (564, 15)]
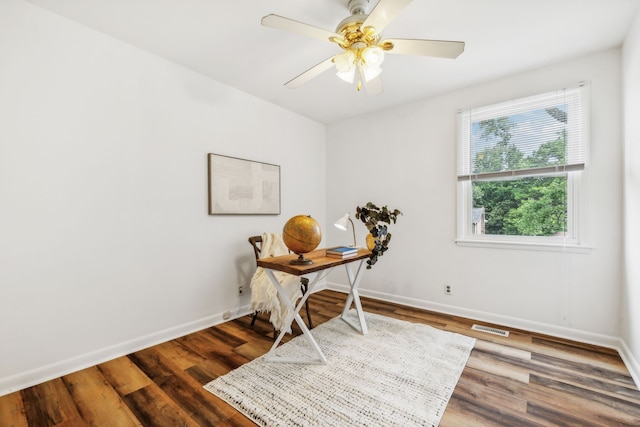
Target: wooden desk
[(320, 263)]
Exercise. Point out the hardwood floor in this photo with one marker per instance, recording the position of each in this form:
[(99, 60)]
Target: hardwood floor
[(523, 380)]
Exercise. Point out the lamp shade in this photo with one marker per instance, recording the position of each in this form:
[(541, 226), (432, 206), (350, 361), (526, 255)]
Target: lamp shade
[(342, 222)]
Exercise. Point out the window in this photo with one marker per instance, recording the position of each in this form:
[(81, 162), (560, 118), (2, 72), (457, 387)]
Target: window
[(519, 170)]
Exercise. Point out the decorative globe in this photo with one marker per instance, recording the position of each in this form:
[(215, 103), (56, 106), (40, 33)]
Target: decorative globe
[(301, 234)]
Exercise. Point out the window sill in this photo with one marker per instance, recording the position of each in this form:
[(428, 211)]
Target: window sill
[(528, 246)]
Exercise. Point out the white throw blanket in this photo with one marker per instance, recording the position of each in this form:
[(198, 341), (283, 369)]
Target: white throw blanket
[(264, 296)]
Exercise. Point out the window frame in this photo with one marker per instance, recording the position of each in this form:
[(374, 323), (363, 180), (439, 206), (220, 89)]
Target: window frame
[(576, 237)]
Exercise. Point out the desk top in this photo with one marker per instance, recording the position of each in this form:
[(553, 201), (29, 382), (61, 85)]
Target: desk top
[(319, 258)]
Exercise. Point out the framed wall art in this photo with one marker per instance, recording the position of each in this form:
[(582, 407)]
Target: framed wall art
[(243, 187)]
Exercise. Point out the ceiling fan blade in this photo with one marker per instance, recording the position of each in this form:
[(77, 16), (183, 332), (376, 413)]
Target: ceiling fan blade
[(286, 24), (312, 72), (373, 87), (383, 13), (437, 48)]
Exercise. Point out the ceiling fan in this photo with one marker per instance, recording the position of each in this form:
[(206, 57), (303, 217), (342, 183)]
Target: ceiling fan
[(359, 36)]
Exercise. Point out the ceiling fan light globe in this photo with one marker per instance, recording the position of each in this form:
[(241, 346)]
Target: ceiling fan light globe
[(373, 56), (348, 75), (344, 61)]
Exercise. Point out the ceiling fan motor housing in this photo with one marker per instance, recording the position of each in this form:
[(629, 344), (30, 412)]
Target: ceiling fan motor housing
[(350, 27), (357, 7)]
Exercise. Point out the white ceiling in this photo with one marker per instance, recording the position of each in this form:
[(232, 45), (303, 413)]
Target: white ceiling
[(223, 39)]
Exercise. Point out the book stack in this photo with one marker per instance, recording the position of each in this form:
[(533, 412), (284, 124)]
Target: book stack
[(342, 252)]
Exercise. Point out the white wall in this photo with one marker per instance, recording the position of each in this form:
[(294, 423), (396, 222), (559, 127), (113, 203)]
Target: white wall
[(105, 241), (630, 301), (405, 157)]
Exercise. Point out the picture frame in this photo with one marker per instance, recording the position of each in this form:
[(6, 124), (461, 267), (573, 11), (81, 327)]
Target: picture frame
[(242, 187)]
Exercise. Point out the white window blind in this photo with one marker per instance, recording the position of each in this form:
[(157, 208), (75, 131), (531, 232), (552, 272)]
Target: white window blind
[(530, 123)]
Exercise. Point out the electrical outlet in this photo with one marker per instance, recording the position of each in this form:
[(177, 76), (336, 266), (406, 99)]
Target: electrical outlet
[(448, 289), (240, 290)]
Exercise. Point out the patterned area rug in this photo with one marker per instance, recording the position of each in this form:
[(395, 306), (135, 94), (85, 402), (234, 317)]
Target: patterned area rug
[(399, 374)]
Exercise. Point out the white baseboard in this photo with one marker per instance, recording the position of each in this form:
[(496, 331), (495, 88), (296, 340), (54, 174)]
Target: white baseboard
[(630, 361), (36, 376), (45, 373), (607, 341)]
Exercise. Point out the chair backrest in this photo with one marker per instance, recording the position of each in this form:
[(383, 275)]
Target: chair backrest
[(256, 242)]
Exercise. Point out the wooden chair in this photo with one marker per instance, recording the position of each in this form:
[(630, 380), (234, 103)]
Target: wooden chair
[(256, 243)]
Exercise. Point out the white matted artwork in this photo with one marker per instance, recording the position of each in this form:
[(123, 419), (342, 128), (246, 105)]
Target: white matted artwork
[(243, 187)]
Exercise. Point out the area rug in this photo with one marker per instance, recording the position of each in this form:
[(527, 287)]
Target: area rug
[(399, 374)]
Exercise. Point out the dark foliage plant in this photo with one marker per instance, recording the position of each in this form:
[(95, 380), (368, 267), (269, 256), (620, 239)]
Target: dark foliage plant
[(375, 219)]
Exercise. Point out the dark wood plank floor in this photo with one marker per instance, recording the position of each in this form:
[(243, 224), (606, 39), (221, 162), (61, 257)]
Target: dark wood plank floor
[(523, 380)]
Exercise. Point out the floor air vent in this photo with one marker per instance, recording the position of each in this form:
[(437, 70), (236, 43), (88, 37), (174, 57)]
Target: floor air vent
[(489, 330)]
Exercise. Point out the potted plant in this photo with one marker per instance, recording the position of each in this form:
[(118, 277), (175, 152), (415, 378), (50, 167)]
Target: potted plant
[(375, 219)]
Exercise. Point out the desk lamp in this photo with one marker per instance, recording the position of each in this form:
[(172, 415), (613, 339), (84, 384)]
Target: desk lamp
[(341, 224)]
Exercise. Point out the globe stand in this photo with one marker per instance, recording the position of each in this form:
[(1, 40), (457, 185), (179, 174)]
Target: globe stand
[(301, 260)]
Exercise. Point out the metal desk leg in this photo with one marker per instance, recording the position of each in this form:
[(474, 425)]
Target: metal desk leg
[(271, 357), (354, 281)]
